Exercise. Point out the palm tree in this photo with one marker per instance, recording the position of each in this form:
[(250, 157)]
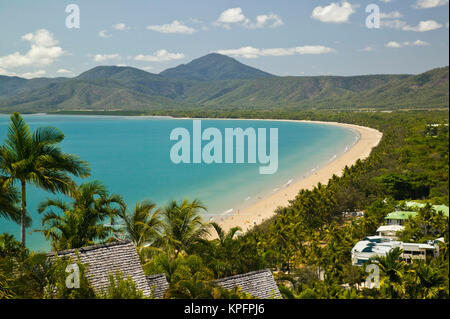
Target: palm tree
[(430, 279), (142, 225), (34, 158), (83, 221), (224, 253), (9, 198), (393, 268), (183, 226)]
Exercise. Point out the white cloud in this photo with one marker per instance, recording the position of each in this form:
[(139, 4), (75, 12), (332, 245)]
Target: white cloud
[(368, 48), (419, 43), (63, 71), (44, 51), (426, 4), (147, 68), (27, 75), (104, 57), (423, 26), (393, 24), (174, 27), (232, 15), (334, 12), (6, 72), (159, 56), (35, 74), (236, 16), (393, 44), (121, 26), (253, 53), (104, 34), (397, 45), (266, 20), (390, 15)]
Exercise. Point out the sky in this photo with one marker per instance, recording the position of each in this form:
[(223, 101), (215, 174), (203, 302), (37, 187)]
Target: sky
[(283, 37)]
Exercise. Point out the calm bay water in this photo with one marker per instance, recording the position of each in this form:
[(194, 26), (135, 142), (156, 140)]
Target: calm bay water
[(131, 155)]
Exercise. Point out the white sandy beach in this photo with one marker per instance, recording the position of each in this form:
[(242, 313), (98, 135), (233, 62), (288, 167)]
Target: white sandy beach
[(264, 208)]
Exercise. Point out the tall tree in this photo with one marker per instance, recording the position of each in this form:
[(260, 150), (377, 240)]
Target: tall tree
[(392, 266), (9, 198), (141, 226), (34, 158), (85, 220), (183, 224)]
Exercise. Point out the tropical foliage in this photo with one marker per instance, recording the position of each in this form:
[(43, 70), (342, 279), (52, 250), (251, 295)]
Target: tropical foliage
[(35, 158), (83, 222)]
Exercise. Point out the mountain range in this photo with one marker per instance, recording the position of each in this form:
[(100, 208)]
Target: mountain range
[(218, 81)]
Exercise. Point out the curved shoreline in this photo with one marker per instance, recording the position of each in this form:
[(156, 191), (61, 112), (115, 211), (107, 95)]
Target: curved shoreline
[(264, 208)]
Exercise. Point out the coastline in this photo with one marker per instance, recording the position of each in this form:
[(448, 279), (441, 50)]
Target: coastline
[(251, 214), (254, 213), (264, 208)]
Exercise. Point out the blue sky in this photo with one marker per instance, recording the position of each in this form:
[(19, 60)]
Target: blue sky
[(284, 37)]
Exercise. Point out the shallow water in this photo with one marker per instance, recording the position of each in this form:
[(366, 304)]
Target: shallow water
[(131, 155)]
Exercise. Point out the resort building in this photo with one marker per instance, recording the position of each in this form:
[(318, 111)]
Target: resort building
[(373, 246), (259, 284), (399, 217), (438, 208)]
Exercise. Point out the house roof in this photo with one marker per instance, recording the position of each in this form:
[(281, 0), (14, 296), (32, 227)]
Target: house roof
[(158, 285), (442, 208), (393, 228), (414, 205), (401, 215), (259, 284), (382, 248), (105, 259)]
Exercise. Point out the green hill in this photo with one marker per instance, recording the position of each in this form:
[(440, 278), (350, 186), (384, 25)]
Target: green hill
[(78, 94), (300, 91), (12, 85), (214, 67), (215, 81)]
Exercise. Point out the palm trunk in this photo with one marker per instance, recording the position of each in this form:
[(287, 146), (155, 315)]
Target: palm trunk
[(23, 212)]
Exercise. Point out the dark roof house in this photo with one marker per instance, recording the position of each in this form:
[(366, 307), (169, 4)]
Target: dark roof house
[(158, 285), (259, 284), (105, 259)]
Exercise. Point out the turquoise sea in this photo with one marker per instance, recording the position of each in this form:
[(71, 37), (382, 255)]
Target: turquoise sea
[(131, 155)]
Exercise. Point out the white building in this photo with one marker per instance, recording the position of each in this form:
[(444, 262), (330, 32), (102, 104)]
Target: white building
[(389, 231), (373, 246)]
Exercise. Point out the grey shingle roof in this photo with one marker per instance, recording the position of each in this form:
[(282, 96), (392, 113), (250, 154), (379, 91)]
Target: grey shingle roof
[(259, 284), (159, 285), (105, 259)]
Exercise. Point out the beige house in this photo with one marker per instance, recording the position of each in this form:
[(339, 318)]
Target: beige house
[(389, 231)]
